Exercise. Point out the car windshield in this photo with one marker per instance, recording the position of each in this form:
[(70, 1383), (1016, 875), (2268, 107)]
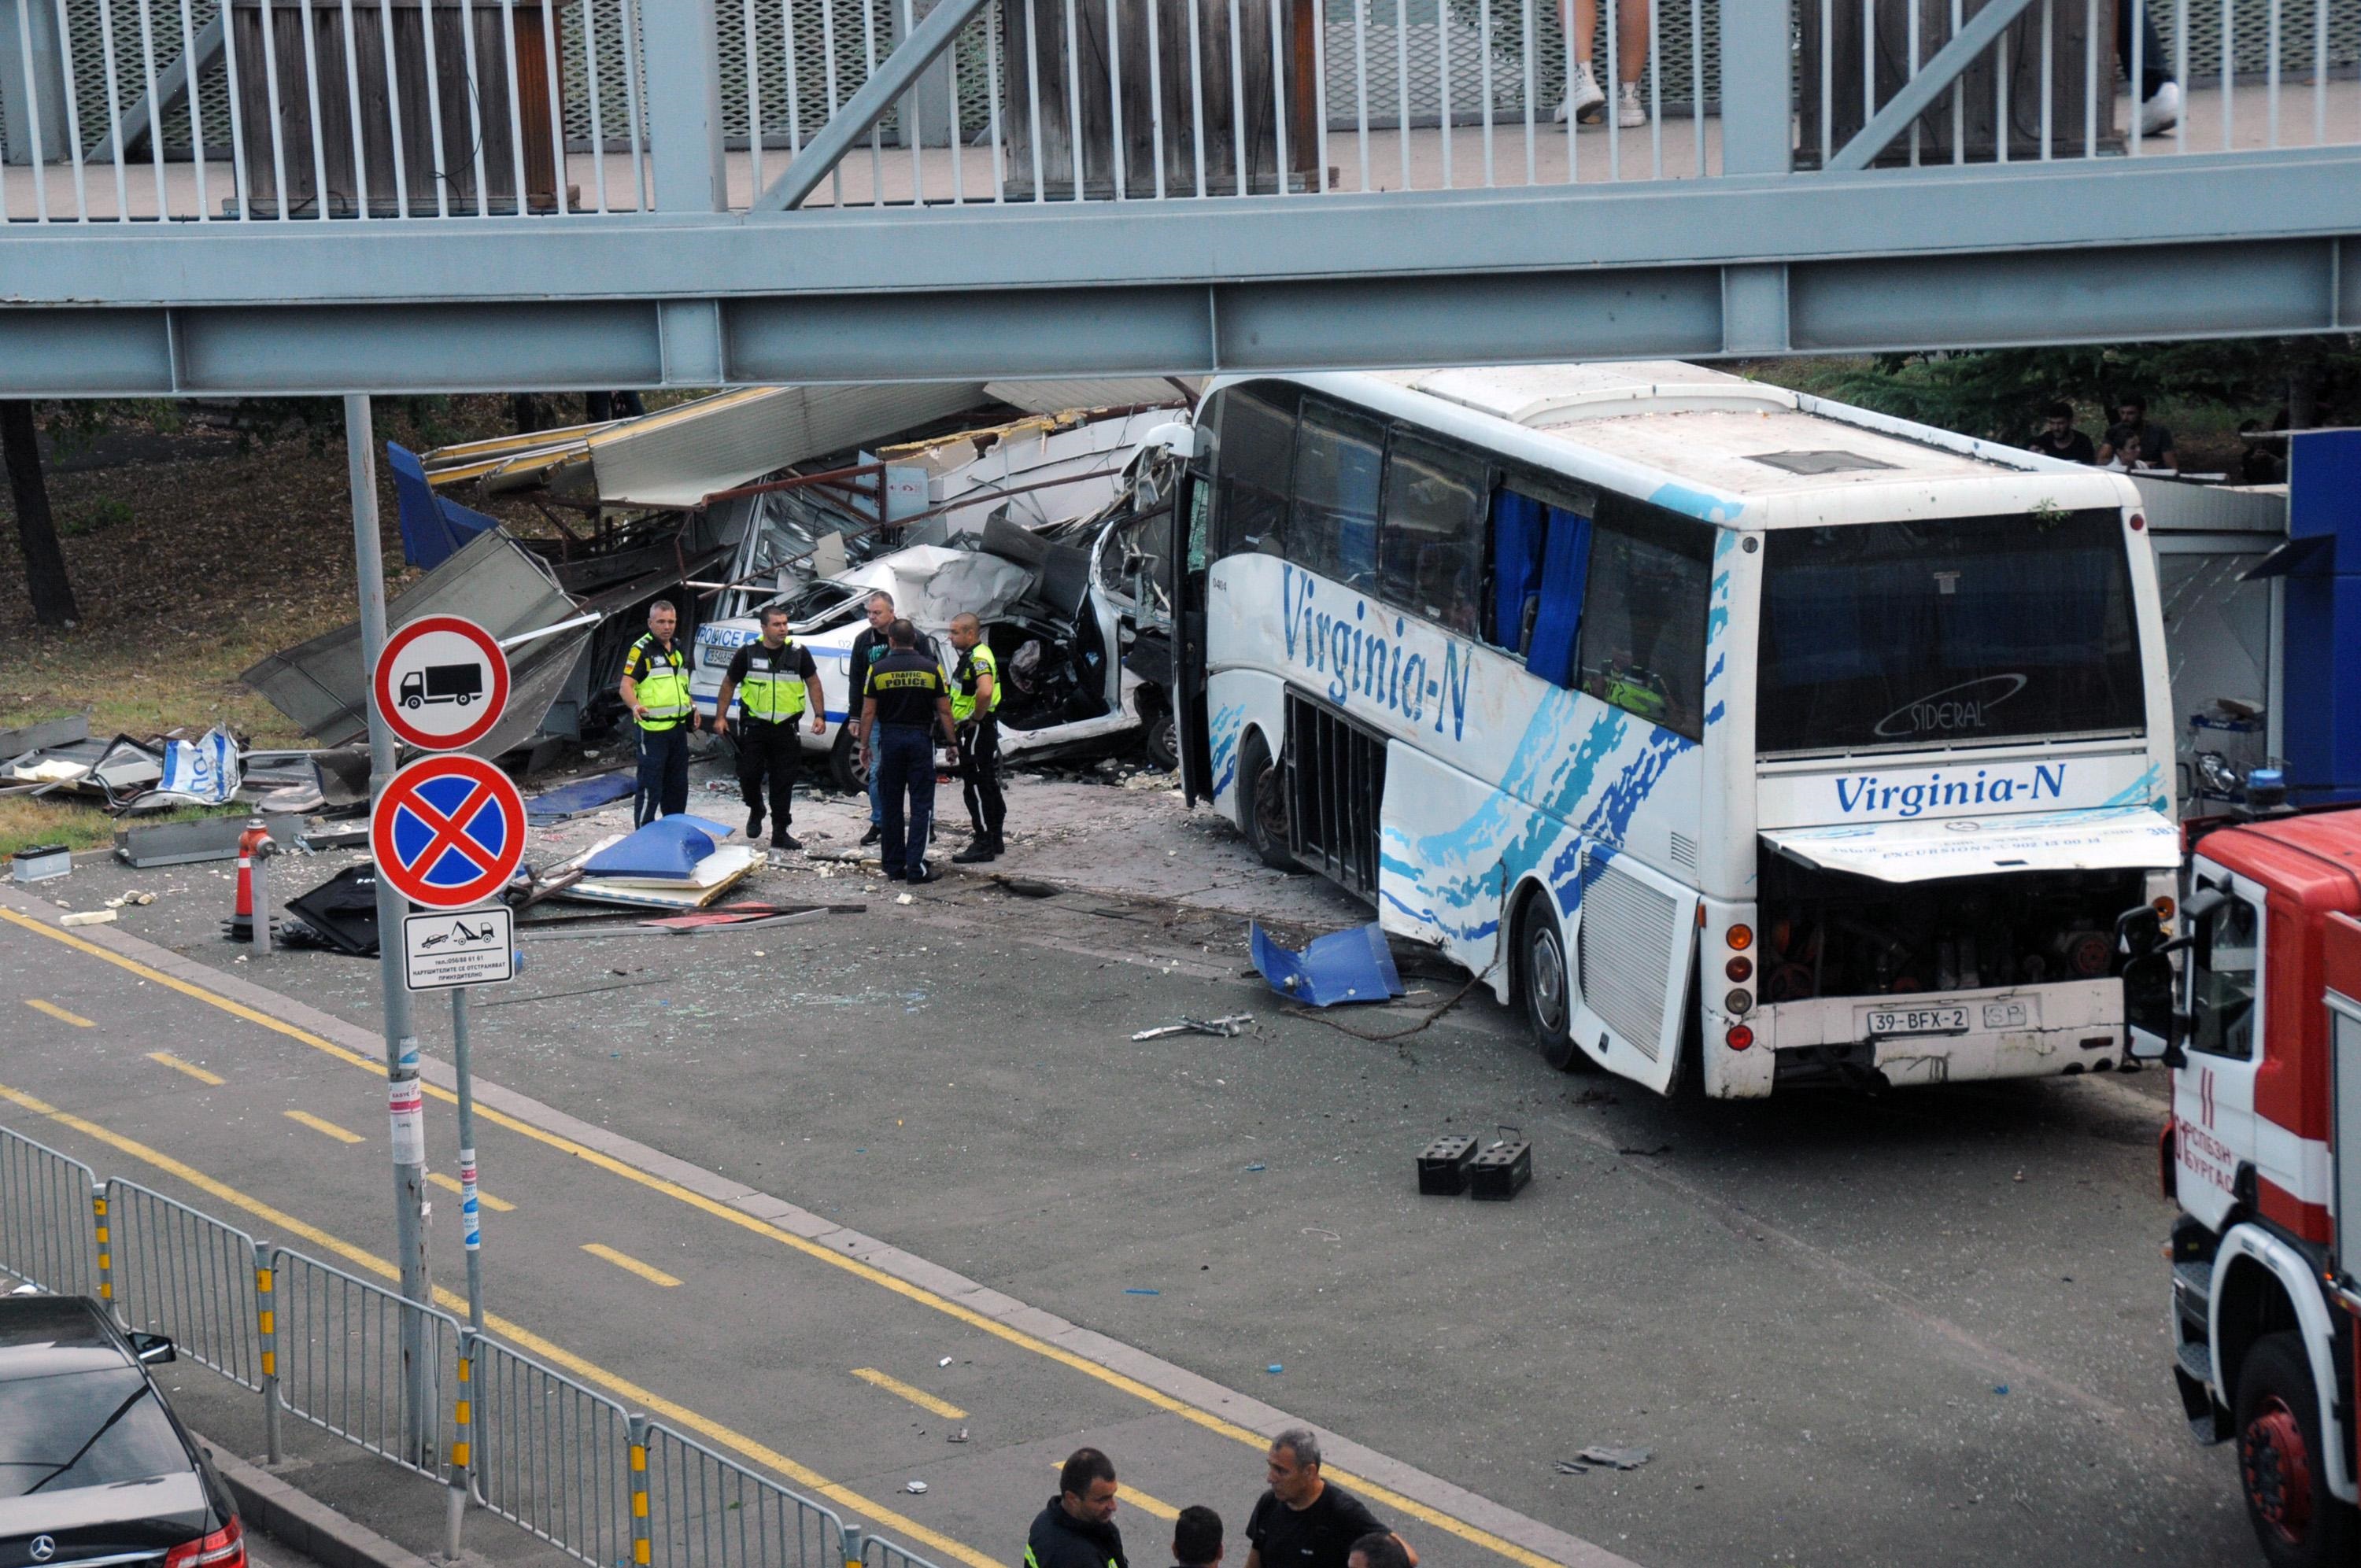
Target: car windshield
[(83, 1429), (1959, 631)]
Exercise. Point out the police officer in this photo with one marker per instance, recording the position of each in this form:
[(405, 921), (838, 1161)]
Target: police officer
[(777, 683), (868, 648), (1077, 1529), (908, 702), (975, 697), (656, 688)]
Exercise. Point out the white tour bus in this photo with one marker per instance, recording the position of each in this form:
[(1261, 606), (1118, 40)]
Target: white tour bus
[(1742, 738)]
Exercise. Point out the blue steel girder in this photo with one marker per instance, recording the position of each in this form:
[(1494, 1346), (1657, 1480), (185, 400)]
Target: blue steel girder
[(2187, 247)]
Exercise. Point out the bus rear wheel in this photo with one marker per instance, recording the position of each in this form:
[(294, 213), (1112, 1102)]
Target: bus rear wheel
[(2282, 1468), (1546, 984)]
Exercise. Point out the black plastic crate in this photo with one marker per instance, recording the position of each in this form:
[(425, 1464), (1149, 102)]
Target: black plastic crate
[(1442, 1167), (1500, 1172)]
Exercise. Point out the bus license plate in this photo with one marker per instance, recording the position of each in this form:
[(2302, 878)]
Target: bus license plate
[(1882, 1021)]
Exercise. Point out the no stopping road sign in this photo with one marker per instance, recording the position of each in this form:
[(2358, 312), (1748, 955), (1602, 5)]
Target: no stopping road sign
[(448, 832)]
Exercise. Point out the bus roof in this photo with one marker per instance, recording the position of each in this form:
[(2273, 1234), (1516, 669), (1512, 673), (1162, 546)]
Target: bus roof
[(1735, 438)]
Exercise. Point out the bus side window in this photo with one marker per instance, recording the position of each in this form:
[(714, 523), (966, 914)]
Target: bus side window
[(1255, 455), (1642, 640), (1339, 458), (1431, 545)]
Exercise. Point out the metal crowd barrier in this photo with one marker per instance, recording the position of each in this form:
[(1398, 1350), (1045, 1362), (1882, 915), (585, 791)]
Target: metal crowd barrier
[(48, 1226), (548, 1454), (705, 1511), (409, 1383)]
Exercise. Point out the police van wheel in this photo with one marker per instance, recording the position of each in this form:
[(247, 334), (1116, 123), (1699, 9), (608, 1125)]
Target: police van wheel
[(845, 764), (1546, 986), (2282, 1468)]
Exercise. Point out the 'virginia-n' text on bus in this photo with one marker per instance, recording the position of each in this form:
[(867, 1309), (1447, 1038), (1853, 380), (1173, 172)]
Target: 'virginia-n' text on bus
[(1741, 737)]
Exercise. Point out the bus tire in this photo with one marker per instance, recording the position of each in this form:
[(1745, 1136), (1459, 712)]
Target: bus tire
[(1546, 985), (2282, 1468), (1262, 806)]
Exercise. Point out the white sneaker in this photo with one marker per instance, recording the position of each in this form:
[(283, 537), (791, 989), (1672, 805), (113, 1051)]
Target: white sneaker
[(2162, 111), (1582, 96), (1630, 113)]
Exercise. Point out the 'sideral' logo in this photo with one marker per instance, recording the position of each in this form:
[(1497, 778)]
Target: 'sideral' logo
[(1951, 711)]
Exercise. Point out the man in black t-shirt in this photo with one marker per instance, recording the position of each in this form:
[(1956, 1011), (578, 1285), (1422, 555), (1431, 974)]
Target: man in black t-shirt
[(2135, 442), (1304, 1520), (776, 682), (2059, 438)]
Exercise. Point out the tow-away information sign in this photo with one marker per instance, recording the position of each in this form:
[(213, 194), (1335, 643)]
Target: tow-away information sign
[(465, 946)]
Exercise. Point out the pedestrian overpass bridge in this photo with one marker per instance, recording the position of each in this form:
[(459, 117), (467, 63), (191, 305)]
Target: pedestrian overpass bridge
[(250, 196)]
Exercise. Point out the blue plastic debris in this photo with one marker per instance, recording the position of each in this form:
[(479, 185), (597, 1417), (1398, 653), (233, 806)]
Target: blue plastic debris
[(581, 795), (1348, 966), (1140, 1290), (668, 848), (1274, 1368), (1257, 1167), (1999, 1387)]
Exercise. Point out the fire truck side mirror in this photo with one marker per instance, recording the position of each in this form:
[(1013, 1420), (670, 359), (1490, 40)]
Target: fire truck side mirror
[(2156, 1030)]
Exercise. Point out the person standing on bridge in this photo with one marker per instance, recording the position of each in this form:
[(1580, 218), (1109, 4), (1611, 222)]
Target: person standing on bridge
[(908, 700), (1306, 1521), (1076, 1530), (655, 689), (778, 683), (975, 701)]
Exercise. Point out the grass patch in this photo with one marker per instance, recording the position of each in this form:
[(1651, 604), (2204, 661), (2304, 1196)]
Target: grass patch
[(80, 824)]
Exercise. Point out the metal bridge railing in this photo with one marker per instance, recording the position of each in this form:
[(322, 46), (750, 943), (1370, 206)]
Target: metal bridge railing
[(48, 1230), (297, 111), (408, 1383)]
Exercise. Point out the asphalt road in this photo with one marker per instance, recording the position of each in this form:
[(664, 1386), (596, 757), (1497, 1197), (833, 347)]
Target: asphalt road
[(1920, 1329)]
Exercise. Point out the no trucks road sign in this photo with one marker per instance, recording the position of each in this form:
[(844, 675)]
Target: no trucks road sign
[(441, 683), (448, 832)]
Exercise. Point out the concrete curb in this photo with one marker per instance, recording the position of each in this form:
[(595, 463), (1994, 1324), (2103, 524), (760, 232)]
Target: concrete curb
[(300, 1523)]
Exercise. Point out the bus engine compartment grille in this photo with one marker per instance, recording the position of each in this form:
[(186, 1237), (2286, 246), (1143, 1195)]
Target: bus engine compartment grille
[(1336, 782), (1625, 941)]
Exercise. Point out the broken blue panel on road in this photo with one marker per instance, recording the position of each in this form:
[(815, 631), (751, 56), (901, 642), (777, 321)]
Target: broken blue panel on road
[(581, 795), (668, 848), (1347, 966)]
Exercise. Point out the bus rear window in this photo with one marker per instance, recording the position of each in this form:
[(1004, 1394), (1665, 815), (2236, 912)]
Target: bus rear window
[(1950, 632)]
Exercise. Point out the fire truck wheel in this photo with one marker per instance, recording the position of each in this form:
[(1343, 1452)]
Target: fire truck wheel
[(2281, 1465)]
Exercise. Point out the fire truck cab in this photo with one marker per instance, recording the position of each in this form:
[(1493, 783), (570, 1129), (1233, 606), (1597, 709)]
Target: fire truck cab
[(2262, 1028)]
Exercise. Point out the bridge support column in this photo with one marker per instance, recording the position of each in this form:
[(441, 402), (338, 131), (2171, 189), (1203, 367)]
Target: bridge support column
[(1758, 108), (1754, 309), (684, 106)]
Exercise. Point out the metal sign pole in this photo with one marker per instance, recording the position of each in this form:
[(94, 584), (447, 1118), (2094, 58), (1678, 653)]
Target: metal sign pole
[(405, 1097), (470, 1220)]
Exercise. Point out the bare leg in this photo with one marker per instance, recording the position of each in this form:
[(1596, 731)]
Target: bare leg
[(1632, 29)]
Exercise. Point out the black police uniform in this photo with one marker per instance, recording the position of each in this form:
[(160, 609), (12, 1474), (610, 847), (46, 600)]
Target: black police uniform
[(905, 685), (770, 748), (1058, 1539)]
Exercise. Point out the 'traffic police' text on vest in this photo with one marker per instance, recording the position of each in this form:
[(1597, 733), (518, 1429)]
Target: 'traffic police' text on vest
[(775, 693), (976, 661), (662, 683)]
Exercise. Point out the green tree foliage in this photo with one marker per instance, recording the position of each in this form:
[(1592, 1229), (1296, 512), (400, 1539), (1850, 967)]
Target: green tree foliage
[(1998, 392)]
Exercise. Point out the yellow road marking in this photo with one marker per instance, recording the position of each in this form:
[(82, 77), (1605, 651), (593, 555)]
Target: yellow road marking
[(451, 1184), (1368, 1490), (318, 1125), (647, 1271), (192, 1068), (1137, 1499), (517, 1335), (59, 1014), (918, 1397)]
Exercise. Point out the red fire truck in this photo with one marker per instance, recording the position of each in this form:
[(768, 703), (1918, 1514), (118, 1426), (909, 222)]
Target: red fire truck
[(2262, 1028)]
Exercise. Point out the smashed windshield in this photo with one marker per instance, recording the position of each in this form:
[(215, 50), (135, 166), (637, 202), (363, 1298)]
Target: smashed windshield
[(83, 1429), (1959, 632)]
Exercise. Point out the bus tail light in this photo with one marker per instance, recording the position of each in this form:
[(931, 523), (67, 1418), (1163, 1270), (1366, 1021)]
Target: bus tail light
[(1739, 969), (1739, 1038), (1740, 1001), (1740, 938), (2138, 523), (2163, 906)]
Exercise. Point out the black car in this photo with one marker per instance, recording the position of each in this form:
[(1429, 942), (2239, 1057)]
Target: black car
[(95, 1470)]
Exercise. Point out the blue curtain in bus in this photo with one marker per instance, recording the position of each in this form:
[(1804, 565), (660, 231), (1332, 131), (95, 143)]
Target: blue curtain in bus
[(1566, 565), (1520, 526)]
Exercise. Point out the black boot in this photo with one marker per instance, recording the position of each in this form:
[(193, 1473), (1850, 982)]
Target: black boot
[(979, 850), (872, 837), (782, 839), (755, 823)]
